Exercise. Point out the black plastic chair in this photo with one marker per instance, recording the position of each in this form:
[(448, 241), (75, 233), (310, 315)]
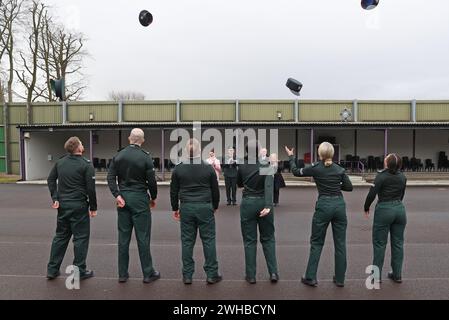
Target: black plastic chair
[(429, 165), (371, 163), (405, 164)]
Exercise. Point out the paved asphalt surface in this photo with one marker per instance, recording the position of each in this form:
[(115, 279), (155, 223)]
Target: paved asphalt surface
[(27, 226)]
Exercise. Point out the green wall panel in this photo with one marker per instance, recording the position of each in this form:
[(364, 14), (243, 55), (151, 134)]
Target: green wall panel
[(136, 112), (2, 165), (51, 113)]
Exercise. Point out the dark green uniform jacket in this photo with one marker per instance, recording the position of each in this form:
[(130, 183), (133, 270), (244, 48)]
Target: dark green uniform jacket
[(75, 178), (192, 182), (135, 171), (254, 184), (330, 181), (388, 187)]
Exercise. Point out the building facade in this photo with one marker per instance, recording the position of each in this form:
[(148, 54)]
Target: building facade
[(32, 136)]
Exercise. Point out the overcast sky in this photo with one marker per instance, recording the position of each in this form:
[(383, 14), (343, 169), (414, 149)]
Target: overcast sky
[(246, 49)]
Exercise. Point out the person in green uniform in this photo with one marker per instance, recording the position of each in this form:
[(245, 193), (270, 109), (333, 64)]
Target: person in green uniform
[(389, 215), (133, 168), (194, 184), (230, 175), (72, 187), (256, 211), (330, 180)]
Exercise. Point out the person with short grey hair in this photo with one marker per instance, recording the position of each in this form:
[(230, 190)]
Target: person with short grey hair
[(133, 169)]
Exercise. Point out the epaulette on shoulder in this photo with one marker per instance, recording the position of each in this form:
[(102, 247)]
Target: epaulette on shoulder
[(381, 171), (315, 164), (146, 152), (85, 159), (63, 156)]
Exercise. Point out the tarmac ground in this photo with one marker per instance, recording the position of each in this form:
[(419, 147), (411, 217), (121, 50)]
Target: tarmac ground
[(27, 225)]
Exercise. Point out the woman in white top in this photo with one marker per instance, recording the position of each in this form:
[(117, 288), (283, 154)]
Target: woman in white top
[(215, 163)]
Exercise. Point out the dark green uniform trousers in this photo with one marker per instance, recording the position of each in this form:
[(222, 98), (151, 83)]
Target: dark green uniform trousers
[(198, 216), (249, 221), (231, 189), (328, 210), (73, 219), (389, 217), (136, 214)]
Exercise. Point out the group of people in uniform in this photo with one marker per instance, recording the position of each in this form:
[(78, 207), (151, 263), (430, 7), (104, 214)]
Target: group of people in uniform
[(195, 197)]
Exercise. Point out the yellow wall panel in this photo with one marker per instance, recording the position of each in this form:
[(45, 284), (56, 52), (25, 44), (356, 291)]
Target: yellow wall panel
[(384, 111), (135, 112)]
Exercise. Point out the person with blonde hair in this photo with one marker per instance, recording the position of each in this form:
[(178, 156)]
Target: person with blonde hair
[(330, 180), (389, 215)]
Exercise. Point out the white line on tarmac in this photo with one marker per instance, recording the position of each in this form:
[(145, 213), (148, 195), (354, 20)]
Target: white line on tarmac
[(224, 280), (13, 243)]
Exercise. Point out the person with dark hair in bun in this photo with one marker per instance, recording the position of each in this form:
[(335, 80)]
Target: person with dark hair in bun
[(389, 215)]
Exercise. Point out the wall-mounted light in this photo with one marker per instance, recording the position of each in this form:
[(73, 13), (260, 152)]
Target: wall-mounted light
[(279, 115), (345, 115), (26, 135), (91, 116)]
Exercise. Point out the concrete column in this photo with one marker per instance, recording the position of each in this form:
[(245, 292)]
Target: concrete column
[(163, 154), (178, 111), (355, 111), (22, 155), (413, 105), (312, 146), (6, 135), (120, 111), (237, 111), (64, 112), (91, 146), (296, 111)]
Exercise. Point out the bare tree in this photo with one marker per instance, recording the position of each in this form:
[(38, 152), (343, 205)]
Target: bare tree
[(28, 76), (125, 96), (10, 12), (51, 52), (61, 56)]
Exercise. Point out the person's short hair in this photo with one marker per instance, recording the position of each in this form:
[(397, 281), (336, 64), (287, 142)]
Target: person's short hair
[(72, 144), (193, 147), (326, 153), (136, 136), (394, 162)]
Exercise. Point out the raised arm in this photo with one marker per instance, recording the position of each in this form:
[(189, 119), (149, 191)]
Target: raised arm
[(298, 172)]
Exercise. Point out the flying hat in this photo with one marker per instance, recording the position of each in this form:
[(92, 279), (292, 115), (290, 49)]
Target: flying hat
[(369, 4), (145, 18), (294, 85)]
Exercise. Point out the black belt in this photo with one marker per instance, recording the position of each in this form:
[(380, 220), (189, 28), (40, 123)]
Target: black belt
[(253, 197), (330, 197), (195, 202), (390, 201)]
